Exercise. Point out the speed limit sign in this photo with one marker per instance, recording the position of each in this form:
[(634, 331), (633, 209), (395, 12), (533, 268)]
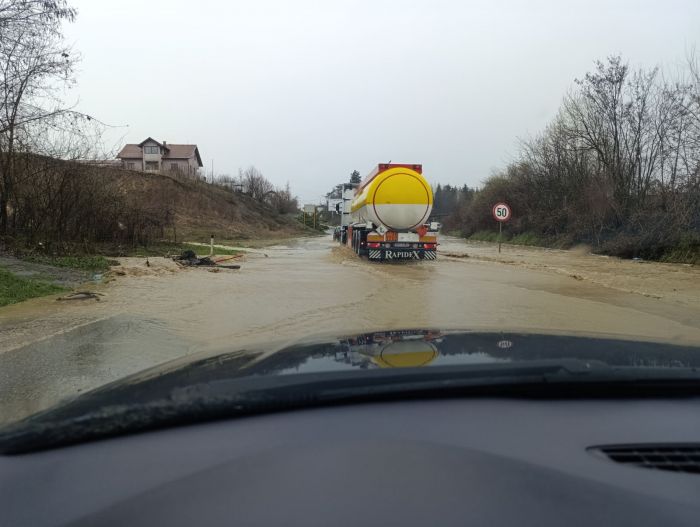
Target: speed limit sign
[(501, 212)]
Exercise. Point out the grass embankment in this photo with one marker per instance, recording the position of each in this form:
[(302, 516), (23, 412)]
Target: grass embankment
[(682, 254), (526, 238), (687, 253), (15, 289), (48, 280), (81, 262)]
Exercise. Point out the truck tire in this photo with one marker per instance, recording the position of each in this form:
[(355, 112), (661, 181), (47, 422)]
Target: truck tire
[(362, 245)]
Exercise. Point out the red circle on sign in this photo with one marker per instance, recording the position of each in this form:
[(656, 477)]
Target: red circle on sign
[(501, 212)]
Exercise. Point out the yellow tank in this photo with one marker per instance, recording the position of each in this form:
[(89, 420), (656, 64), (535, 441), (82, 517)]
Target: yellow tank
[(396, 197), (406, 354)]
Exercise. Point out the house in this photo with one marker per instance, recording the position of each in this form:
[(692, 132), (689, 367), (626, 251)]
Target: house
[(152, 156)]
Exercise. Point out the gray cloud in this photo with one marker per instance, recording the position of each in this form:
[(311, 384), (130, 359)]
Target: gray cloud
[(308, 91)]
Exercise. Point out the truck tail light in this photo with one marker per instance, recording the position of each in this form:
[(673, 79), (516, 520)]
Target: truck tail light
[(430, 246), (374, 245)]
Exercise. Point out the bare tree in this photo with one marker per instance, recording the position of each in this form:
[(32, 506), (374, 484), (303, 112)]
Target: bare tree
[(34, 62), (619, 167), (45, 195), (254, 183), (283, 201)]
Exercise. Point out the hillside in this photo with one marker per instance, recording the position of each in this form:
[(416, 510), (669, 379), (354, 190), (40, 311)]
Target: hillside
[(66, 207), (199, 209)]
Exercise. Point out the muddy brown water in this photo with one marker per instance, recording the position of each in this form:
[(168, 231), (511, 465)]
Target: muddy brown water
[(311, 287)]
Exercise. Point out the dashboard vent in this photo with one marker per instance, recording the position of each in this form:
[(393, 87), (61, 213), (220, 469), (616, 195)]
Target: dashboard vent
[(676, 458)]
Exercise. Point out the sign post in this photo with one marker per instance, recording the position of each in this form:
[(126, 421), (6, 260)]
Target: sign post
[(500, 235), (501, 213), (309, 209)]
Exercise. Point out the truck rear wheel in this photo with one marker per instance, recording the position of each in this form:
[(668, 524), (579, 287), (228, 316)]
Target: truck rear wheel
[(362, 247), (356, 241)]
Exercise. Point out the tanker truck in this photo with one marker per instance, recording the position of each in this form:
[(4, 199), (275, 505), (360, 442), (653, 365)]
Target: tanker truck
[(388, 215)]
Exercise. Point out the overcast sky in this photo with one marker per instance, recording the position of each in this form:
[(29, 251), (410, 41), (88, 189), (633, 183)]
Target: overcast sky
[(308, 91)]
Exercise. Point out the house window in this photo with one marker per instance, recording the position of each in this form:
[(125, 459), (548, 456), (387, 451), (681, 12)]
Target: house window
[(173, 167), (130, 166), (152, 165), (151, 150)]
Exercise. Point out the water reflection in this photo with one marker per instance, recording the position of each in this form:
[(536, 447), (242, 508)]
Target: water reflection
[(428, 347), (390, 349), (39, 375), (97, 353)]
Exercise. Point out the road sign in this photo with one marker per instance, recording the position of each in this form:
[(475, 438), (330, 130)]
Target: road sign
[(501, 212), (309, 208), (333, 204)]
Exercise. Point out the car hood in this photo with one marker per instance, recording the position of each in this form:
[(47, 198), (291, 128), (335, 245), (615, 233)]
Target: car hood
[(348, 368), (399, 349)]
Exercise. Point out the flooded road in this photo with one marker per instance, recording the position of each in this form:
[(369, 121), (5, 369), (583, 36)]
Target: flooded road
[(148, 315)]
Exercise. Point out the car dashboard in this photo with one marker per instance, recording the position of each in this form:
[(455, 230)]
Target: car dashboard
[(460, 461)]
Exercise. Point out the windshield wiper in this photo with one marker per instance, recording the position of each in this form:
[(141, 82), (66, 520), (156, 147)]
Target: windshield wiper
[(109, 413)]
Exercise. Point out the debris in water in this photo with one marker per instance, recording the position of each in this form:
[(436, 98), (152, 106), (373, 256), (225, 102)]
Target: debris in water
[(234, 257), (189, 258), (81, 295)]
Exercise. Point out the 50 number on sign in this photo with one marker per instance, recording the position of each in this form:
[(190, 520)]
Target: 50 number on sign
[(501, 212)]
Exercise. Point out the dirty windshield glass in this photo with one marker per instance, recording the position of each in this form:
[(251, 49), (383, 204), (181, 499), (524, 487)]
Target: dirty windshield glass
[(205, 188)]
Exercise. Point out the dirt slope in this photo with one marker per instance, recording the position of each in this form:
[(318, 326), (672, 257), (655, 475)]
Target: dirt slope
[(201, 209)]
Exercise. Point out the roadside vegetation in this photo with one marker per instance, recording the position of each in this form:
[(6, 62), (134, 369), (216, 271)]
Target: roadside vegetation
[(15, 289), (84, 262), (60, 204), (618, 169), (307, 220), (525, 238), (253, 183), (51, 199)]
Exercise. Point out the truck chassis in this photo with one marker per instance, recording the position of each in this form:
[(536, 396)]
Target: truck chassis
[(390, 246)]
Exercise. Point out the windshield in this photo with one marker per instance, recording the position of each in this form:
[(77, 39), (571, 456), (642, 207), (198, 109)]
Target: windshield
[(283, 189)]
